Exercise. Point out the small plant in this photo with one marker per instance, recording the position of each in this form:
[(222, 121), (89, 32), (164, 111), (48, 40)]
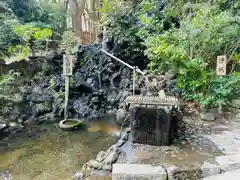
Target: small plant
[(222, 90), (7, 82), (51, 82), (69, 41), (113, 8), (8, 78)]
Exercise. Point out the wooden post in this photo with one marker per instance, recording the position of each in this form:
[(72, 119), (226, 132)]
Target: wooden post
[(221, 70), (67, 72), (134, 77), (104, 46), (46, 48), (191, 52), (66, 97)]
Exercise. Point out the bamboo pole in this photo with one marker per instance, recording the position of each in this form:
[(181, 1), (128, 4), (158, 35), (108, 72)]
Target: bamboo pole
[(134, 76), (46, 48), (126, 64), (67, 72), (66, 97)]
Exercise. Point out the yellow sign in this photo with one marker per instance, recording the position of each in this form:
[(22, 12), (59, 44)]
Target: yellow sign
[(221, 65), (67, 65)]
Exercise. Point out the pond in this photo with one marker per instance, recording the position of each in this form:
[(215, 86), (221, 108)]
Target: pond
[(53, 154), (47, 153)]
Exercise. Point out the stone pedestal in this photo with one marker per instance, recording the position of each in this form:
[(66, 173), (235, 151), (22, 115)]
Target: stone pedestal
[(152, 126), (137, 172)]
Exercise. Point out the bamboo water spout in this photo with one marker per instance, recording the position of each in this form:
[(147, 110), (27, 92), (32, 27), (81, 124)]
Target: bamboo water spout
[(126, 64), (99, 80), (134, 68)]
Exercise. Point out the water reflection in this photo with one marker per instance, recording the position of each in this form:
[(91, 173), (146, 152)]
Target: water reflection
[(54, 154)]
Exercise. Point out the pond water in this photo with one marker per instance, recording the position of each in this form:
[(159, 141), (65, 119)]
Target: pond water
[(53, 154), (48, 153)]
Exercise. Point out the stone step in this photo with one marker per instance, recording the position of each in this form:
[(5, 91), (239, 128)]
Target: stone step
[(229, 162), (99, 178), (230, 175), (138, 171)]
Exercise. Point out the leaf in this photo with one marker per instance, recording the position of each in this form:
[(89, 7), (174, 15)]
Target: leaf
[(236, 57)]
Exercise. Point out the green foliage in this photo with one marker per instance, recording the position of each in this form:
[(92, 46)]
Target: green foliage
[(7, 35), (192, 47), (19, 15), (113, 9), (54, 15), (51, 83), (181, 35), (208, 34), (222, 90), (7, 83), (8, 78), (177, 34), (33, 30), (121, 23), (31, 35), (69, 41), (26, 10)]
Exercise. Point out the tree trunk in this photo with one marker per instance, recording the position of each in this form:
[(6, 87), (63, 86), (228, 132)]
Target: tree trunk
[(76, 10)]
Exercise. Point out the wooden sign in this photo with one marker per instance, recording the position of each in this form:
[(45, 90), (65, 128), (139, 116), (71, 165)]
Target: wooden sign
[(221, 65), (67, 65)]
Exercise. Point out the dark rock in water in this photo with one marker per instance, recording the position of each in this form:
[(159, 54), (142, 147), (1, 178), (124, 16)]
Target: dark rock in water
[(6, 176), (78, 176), (81, 108), (13, 126), (30, 121), (100, 174), (175, 172), (3, 127), (121, 116)]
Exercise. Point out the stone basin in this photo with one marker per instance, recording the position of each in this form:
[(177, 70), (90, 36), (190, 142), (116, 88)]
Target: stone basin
[(70, 124)]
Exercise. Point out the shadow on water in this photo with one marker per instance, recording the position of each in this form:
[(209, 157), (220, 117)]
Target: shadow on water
[(53, 154)]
